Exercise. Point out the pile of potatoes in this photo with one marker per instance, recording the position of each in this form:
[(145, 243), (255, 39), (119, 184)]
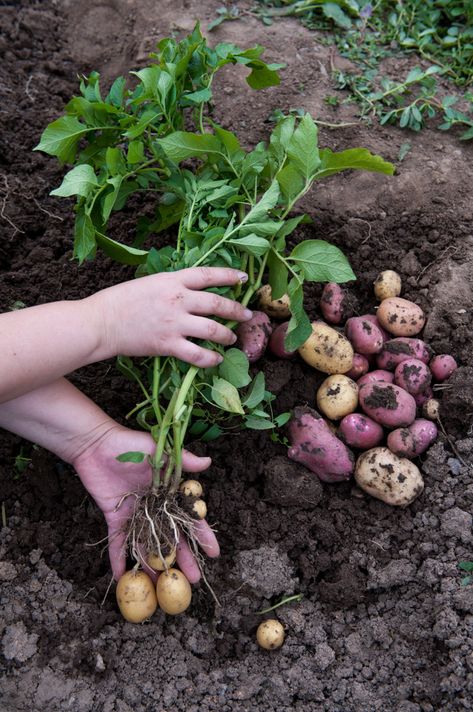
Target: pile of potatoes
[(137, 595), (375, 410)]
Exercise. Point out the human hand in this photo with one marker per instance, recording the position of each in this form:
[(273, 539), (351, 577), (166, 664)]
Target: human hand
[(155, 315), (107, 480)]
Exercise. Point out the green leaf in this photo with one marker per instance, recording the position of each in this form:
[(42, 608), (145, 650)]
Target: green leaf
[(234, 368), (81, 180), (132, 456), (278, 276), (299, 328), (226, 396), (252, 244), (282, 419), (115, 95), (256, 393), (322, 262), (84, 237), (290, 181), (262, 77), (212, 434), (266, 203), (111, 198), (124, 254), (467, 135), (198, 97), (466, 565), (181, 145), (61, 137), (405, 117), (252, 422), (334, 12), (352, 158), (302, 148)]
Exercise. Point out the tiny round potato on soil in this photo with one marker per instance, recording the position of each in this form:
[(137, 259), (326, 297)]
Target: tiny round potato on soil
[(136, 596), (400, 317), (270, 634), (191, 488), (431, 409), (327, 350), (173, 592), (337, 396), (442, 367), (275, 308), (199, 508), (384, 475), (387, 284), (161, 563)]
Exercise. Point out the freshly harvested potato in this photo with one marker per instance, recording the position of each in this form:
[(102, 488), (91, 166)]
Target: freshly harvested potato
[(414, 440), (199, 508), (136, 596), (276, 342), (423, 397), (337, 396), (270, 634), (397, 350), (387, 404), (376, 376), (400, 317), (191, 488), (431, 409), (327, 350), (253, 335), (333, 303), (384, 475), (357, 430), (161, 563), (413, 375), (442, 367), (173, 592), (387, 284), (275, 308), (359, 367), (364, 335)]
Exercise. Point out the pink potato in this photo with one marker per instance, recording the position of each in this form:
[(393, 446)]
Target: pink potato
[(359, 431), (375, 377), (374, 320), (360, 366), (423, 397), (364, 335), (413, 375), (400, 316), (414, 440), (397, 350), (388, 404), (316, 447), (253, 335), (442, 366), (332, 303), (276, 342)]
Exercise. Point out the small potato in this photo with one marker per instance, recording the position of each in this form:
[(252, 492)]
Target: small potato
[(199, 508), (387, 284), (327, 350), (397, 350), (161, 563), (333, 302), (431, 409), (364, 335), (136, 596), (359, 367), (337, 396), (442, 367), (275, 308), (376, 376), (253, 336), (387, 404), (173, 592), (413, 375), (191, 488), (400, 317), (414, 440), (384, 475), (276, 342), (270, 634), (423, 397), (359, 431)]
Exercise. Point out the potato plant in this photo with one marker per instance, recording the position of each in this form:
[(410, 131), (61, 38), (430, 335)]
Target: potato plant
[(218, 204)]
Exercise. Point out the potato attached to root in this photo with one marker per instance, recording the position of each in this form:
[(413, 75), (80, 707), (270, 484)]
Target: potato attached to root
[(160, 561), (136, 596), (384, 475), (173, 592), (275, 308)]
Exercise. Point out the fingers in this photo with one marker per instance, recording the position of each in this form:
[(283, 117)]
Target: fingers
[(203, 277), (196, 355), (186, 561), (194, 463), (207, 303), (208, 329), (116, 551), (207, 539)]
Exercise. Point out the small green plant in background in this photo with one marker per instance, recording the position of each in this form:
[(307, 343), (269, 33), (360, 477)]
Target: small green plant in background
[(468, 567)]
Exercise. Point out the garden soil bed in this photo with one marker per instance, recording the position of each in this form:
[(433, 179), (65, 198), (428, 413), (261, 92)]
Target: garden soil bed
[(384, 623)]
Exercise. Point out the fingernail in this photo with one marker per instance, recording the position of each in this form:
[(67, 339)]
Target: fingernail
[(242, 276), (248, 314), (219, 360), (234, 338)]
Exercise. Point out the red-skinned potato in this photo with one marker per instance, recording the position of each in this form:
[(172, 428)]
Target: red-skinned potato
[(442, 367), (276, 342), (400, 316), (423, 397), (253, 336), (333, 302), (375, 377), (359, 367), (275, 308), (364, 336), (384, 475), (413, 375), (414, 440), (357, 430), (372, 318), (387, 404), (397, 350), (316, 447)]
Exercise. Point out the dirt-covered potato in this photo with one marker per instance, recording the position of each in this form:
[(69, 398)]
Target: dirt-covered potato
[(253, 335), (442, 367), (400, 317), (357, 430), (375, 376), (275, 308), (173, 592), (337, 396), (270, 634), (387, 284), (413, 375), (397, 350), (327, 350), (384, 475), (136, 596), (364, 335), (414, 440), (387, 404), (332, 303)]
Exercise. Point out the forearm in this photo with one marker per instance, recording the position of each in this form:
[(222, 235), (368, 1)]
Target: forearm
[(40, 344), (58, 417)]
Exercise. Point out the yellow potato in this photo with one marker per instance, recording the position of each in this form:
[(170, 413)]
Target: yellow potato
[(136, 596), (270, 634), (337, 396), (395, 480), (276, 308), (173, 591), (200, 508), (387, 284), (161, 563), (327, 350), (400, 316), (191, 488)]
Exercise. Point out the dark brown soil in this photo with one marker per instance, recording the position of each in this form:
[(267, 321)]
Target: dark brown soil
[(384, 624)]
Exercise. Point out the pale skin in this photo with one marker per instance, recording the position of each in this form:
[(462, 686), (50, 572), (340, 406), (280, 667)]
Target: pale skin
[(150, 316)]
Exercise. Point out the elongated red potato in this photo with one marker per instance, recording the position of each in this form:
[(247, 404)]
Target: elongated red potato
[(333, 303)]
